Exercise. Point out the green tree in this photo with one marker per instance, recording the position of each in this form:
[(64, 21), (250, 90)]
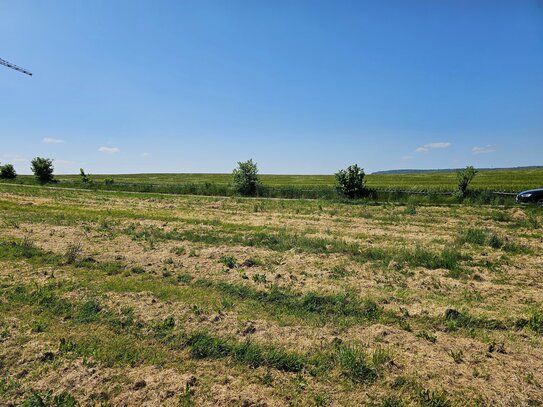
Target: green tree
[(350, 181), (465, 177), (246, 181), (7, 172), (43, 169), (84, 177)]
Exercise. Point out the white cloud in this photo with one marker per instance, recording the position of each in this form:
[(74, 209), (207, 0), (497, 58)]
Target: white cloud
[(429, 146), (483, 150), (50, 140), (109, 150)]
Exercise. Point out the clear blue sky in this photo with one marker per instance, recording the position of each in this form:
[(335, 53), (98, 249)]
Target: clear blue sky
[(299, 86)]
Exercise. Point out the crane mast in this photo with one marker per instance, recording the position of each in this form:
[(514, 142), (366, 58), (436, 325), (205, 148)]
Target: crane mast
[(13, 66)]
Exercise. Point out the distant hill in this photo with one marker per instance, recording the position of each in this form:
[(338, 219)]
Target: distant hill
[(412, 171)]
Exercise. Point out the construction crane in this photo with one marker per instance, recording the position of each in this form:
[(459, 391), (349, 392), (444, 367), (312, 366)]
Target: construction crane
[(12, 66)]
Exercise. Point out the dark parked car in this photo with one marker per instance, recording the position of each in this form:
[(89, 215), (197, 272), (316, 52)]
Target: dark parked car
[(533, 195)]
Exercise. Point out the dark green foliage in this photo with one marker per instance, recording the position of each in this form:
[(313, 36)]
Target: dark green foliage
[(42, 169), (202, 345), (88, 311), (84, 177), (429, 398), (474, 236), (350, 181), (489, 238), (7, 171), (245, 178), (184, 278), (455, 319), (354, 363), (392, 402), (228, 261), (410, 209), (310, 303), (48, 399), (465, 177), (535, 322)]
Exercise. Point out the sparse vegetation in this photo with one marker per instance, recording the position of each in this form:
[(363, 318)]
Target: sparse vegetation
[(298, 299)]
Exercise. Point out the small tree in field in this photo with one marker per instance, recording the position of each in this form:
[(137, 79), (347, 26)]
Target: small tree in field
[(7, 172), (465, 177), (350, 181), (84, 177), (246, 181), (43, 169)]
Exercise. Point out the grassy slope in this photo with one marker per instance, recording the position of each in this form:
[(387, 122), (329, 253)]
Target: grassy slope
[(350, 305)]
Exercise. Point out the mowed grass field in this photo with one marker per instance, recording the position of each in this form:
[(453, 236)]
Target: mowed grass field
[(498, 180), (121, 299)]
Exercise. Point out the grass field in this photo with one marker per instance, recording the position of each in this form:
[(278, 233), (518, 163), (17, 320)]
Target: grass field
[(121, 299), (499, 180)]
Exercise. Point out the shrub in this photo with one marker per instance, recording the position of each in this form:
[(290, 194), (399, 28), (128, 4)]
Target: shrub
[(464, 179), (43, 169), (108, 181), (84, 177), (246, 181), (7, 172), (350, 181)]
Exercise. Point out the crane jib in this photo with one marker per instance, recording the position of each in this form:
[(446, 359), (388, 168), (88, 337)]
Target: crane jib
[(13, 66)]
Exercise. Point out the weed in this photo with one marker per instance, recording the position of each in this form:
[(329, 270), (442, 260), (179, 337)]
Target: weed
[(338, 272), (88, 311), (457, 356), (184, 278), (259, 278), (185, 399), (228, 261), (354, 364), (410, 209), (137, 270), (428, 398), (178, 250), (267, 378), (203, 345), (72, 252), (428, 336), (48, 399)]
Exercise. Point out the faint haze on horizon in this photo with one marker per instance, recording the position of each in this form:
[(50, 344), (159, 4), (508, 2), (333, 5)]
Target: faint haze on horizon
[(303, 87)]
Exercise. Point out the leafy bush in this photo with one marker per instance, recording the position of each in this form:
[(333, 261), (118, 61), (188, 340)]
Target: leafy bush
[(7, 172), (43, 169), (350, 181), (84, 177), (246, 181), (464, 179), (108, 181)]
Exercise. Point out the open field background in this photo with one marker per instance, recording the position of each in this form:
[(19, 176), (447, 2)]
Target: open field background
[(119, 299), (499, 180)]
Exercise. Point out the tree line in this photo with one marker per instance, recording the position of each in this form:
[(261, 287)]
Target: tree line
[(350, 182)]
